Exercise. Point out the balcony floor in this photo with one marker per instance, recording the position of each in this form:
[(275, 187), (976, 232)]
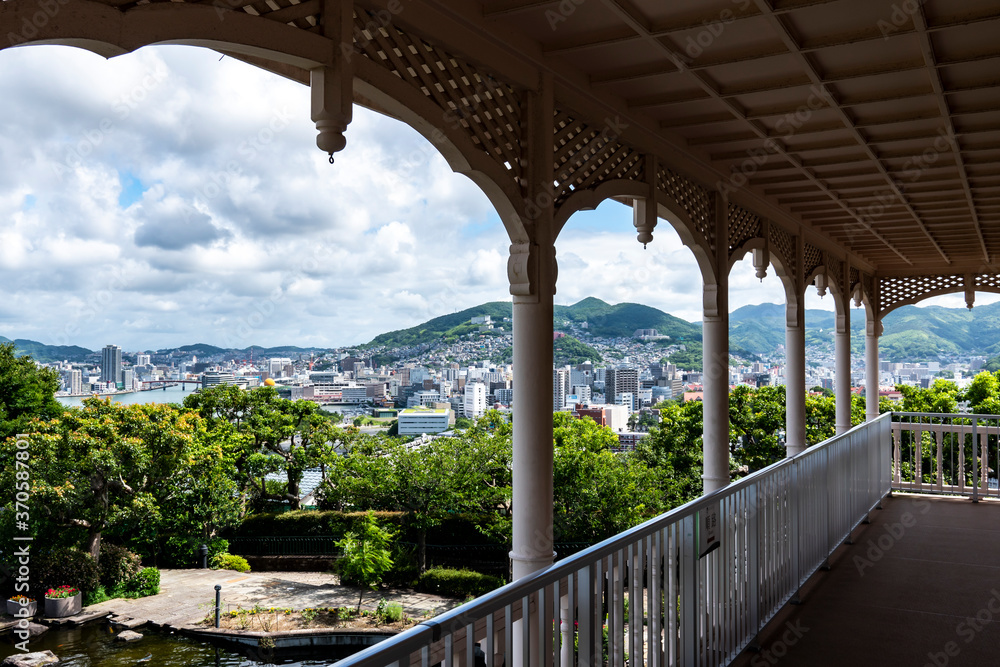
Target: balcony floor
[(907, 592)]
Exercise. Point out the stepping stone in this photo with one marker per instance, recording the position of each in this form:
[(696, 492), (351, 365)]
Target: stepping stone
[(31, 659), (35, 629), (128, 636)]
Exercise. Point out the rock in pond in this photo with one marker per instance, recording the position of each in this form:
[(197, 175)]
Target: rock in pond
[(31, 659)]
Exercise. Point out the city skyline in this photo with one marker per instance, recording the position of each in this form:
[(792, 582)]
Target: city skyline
[(172, 196)]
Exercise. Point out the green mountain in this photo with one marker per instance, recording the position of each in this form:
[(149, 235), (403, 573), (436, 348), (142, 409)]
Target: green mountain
[(48, 353), (446, 326), (621, 320), (911, 333), (603, 321), (569, 350), (759, 329)]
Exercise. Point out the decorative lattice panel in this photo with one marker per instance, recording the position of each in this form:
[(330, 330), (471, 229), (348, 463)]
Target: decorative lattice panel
[(835, 274), (868, 287), (743, 226), (987, 280), (488, 110), (587, 156), (812, 258), (855, 276), (693, 199), (782, 244), (896, 291), (304, 15)]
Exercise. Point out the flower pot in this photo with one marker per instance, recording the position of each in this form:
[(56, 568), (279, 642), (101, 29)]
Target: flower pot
[(62, 607), (14, 608)]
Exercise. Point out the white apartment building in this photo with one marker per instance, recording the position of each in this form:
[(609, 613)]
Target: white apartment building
[(474, 405), (418, 421)]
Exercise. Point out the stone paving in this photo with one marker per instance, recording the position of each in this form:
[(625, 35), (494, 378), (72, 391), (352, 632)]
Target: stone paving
[(187, 596)]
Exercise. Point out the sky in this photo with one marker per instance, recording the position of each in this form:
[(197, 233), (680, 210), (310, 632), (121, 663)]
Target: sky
[(174, 196)]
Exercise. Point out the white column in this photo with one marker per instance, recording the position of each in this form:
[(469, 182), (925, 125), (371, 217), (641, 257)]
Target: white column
[(532, 474), (795, 378), (873, 328), (715, 359), (715, 383), (842, 381), (532, 274)]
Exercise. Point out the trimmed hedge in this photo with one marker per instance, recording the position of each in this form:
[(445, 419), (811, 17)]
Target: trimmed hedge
[(310, 522), (457, 583), (230, 562)]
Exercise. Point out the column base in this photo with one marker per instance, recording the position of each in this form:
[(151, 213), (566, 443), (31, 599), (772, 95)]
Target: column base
[(710, 484), (523, 565), (792, 450)]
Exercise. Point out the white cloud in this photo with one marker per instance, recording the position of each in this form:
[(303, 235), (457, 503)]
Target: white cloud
[(169, 197)]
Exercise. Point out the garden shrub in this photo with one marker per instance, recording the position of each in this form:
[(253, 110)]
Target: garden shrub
[(217, 546), (117, 565), (230, 562), (457, 583), (146, 582), (181, 551), (62, 566)]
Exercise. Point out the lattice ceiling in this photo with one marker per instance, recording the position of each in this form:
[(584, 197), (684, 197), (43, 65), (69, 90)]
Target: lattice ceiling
[(873, 123)]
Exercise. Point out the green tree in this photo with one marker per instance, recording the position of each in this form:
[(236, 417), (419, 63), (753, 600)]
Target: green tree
[(468, 474), (941, 396), (365, 556), (103, 465), (597, 492), (983, 393), (756, 417), (275, 434), (672, 451), (27, 392)]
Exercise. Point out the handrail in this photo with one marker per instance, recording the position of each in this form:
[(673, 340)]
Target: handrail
[(959, 453), (701, 606)]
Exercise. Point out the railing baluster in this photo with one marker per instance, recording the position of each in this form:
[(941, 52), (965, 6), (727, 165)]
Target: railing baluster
[(777, 526), (655, 592)]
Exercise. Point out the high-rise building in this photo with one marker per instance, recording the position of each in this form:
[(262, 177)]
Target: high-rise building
[(128, 378), (75, 384), (620, 381), (142, 359), (111, 364), (560, 388), (474, 405), (276, 367)]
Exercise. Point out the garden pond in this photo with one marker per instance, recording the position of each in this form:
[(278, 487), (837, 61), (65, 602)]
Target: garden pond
[(94, 645)]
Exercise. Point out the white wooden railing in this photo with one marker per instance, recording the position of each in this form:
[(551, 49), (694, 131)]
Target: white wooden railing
[(958, 454), (704, 577)]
